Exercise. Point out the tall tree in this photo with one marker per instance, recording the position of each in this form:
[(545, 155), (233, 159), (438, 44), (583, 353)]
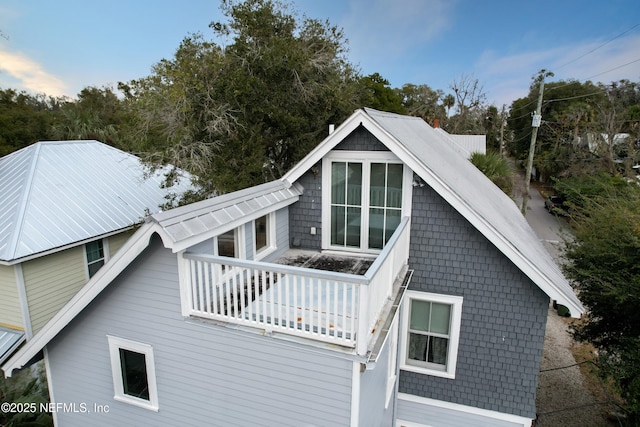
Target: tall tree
[(239, 115), (470, 100), (422, 101), (379, 95), (604, 263)]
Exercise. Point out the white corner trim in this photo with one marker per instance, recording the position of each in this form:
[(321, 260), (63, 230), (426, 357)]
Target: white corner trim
[(355, 394), (525, 422), (24, 301), (47, 371)]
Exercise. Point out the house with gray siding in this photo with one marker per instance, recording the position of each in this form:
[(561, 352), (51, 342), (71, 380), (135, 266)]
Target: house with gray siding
[(66, 207), (383, 281)]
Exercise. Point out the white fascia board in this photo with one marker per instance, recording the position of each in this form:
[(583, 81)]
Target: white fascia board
[(543, 281), (131, 249), (183, 244), (337, 136)]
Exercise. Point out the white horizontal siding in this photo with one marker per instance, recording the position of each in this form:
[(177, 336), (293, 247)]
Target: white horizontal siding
[(206, 374)]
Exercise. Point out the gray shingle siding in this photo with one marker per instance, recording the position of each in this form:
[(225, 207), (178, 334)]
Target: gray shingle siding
[(307, 212), (361, 140), (503, 312)]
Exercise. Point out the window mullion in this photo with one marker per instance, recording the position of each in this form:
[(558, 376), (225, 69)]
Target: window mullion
[(366, 200)]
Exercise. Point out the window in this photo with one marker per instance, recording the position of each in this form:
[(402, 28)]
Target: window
[(264, 235), (226, 244), (431, 329), (133, 371), (365, 199), (95, 252)]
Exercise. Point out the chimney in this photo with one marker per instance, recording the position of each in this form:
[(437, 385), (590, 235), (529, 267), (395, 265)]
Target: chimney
[(436, 123)]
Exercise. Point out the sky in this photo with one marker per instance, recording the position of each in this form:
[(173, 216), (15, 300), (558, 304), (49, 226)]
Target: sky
[(59, 48)]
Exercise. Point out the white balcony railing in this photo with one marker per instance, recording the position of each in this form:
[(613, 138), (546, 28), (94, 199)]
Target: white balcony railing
[(328, 306)]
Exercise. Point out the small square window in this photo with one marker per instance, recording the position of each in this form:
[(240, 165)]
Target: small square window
[(431, 330), (133, 371)]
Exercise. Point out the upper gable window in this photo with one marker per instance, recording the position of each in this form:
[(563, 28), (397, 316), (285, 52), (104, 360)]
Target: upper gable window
[(95, 253), (367, 194)]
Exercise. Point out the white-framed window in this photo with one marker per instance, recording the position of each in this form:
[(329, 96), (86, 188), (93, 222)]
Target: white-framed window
[(393, 360), (430, 333), (133, 371), (264, 235), (230, 244), (96, 253), (365, 195)]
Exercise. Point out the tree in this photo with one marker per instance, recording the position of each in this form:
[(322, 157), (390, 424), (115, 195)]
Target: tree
[(604, 263), (243, 114), (470, 101), (379, 95), (422, 101), (496, 168)]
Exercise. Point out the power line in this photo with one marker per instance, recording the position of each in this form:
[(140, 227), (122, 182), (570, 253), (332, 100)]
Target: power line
[(593, 50)]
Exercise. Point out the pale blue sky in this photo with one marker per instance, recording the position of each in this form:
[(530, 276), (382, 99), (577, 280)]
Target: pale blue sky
[(61, 47)]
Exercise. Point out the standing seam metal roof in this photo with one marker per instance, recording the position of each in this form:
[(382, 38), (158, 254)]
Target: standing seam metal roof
[(56, 193)]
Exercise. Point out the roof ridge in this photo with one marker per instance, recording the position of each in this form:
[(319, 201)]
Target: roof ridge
[(24, 199)]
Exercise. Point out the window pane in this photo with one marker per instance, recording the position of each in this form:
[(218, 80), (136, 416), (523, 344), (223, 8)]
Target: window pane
[(437, 350), (261, 232), (440, 315), (418, 347), (337, 225), (420, 315), (377, 190), (354, 184), (353, 226), (94, 267), (394, 186), (134, 374), (95, 251), (226, 244), (338, 180), (376, 228), (393, 220)]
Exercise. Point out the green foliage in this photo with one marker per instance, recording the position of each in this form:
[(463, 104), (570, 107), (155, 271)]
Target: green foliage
[(580, 192), (496, 168), (604, 263), (24, 119), (380, 96), (422, 101), (26, 388)]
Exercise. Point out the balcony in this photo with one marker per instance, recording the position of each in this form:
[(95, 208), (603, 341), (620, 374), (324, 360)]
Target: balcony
[(342, 308)]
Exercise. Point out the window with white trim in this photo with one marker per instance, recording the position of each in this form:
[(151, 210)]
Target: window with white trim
[(133, 372), (95, 255), (431, 333), (264, 235), (364, 194)]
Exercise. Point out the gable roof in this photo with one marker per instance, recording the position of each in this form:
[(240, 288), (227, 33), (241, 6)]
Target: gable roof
[(178, 228), (431, 156), (57, 193)]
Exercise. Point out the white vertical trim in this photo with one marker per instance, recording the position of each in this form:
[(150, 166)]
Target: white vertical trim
[(392, 367), (47, 368), (24, 302), (184, 283), (355, 395)]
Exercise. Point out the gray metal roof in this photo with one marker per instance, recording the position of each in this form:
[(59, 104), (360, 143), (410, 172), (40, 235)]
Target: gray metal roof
[(478, 199), (219, 214), (56, 193), (10, 339), (466, 144)]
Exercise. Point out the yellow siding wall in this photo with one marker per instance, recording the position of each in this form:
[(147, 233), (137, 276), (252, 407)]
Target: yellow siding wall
[(51, 281), (10, 313), (116, 242)]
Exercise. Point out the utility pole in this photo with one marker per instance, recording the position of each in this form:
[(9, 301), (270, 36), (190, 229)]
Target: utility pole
[(503, 150), (535, 124)]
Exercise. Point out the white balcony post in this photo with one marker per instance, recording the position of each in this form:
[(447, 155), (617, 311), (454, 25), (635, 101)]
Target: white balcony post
[(362, 337), (184, 277)]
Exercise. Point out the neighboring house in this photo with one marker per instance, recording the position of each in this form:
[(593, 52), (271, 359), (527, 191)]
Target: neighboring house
[(466, 145), (65, 208), (382, 281)]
